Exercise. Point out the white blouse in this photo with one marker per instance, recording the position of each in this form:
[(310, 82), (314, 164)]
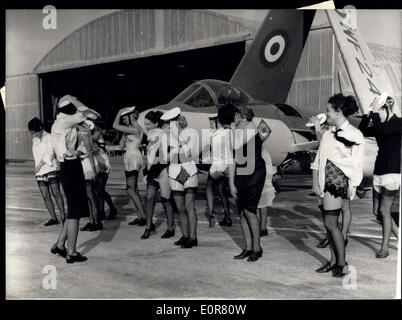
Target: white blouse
[(62, 133), (43, 150), (187, 144), (347, 159), (221, 153)]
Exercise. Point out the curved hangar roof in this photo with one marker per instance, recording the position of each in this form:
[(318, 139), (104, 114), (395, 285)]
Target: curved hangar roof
[(129, 34)]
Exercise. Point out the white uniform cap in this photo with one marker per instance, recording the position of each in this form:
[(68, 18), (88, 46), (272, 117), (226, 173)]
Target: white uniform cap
[(171, 114), (382, 99), (128, 111), (213, 116), (320, 116), (64, 103), (90, 124), (93, 115)]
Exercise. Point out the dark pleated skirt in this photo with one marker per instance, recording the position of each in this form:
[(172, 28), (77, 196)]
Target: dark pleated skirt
[(73, 182), (249, 188)]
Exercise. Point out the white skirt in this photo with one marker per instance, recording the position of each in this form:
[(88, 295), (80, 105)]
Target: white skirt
[(390, 181)]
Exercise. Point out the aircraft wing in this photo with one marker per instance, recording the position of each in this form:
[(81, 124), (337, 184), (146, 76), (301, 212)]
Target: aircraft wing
[(366, 77), (305, 146)]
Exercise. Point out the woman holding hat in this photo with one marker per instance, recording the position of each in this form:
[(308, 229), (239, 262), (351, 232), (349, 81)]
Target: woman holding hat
[(340, 171), (218, 172), (157, 174), (386, 129), (126, 122), (88, 165), (183, 144), (47, 169), (268, 191), (103, 168), (65, 141), (247, 175), (318, 126)]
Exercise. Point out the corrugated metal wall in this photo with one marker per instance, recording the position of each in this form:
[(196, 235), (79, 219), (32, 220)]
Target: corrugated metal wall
[(125, 34), (313, 81), (129, 34), (22, 104), (322, 73)]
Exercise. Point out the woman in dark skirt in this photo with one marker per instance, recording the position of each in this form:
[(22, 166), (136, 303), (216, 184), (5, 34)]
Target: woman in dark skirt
[(386, 129), (65, 139), (339, 162), (246, 177)]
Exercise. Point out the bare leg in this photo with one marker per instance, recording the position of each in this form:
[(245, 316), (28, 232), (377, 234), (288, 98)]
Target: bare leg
[(61, 241), (254, 225), (246, 232), (132, 190), (210, 195), (72, 235), (55, 188), (179, 200), (169, 213), (387, 222), (331, 224), (150, 205), (44, 189), (189, 199), (263, 219), (224, 198), (346, 217)]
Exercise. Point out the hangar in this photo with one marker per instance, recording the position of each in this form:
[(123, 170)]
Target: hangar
[(146, 57)]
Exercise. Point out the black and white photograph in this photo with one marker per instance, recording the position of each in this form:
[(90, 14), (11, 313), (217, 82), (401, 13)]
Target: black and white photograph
[(202, 154)]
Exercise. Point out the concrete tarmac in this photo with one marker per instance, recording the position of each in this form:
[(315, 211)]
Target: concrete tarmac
[(121, 265)]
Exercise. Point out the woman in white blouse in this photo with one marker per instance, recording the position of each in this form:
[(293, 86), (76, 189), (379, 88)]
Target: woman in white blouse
[(339, 164), (46, 169), (183, 174)]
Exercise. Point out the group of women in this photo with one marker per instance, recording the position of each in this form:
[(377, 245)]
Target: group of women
[(76, 153), (338, 170)]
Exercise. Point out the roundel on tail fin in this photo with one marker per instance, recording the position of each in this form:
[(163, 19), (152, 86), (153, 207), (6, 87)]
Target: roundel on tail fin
[(274, 48)]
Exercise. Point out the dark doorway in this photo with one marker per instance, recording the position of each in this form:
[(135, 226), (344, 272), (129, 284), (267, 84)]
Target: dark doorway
[(144, 82)]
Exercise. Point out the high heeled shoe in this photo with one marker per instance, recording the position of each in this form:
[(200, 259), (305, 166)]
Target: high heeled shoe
[(338, 271), (112, 214), (244, 254), (323, 243), (147, 231), (255, 255), (189, 243), (56, 250), (51, 222), (168, 234), (263, 233), (75, 258), (180, 241), (382, 254), (226, 222), (142, 222), (326, 268)]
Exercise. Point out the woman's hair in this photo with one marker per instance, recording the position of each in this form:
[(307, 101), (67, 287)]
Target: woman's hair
[(68, 109), (126, 116), (226, 114), (35, 125), (347, 105), (154, 117), (390, 102), (246, 113)]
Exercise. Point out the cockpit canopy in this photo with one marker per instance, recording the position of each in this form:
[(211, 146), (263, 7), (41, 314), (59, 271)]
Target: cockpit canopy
[(208, 93)]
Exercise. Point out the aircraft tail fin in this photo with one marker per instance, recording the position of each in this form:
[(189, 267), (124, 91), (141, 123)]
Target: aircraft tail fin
[(267, 69), (367, 78)]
